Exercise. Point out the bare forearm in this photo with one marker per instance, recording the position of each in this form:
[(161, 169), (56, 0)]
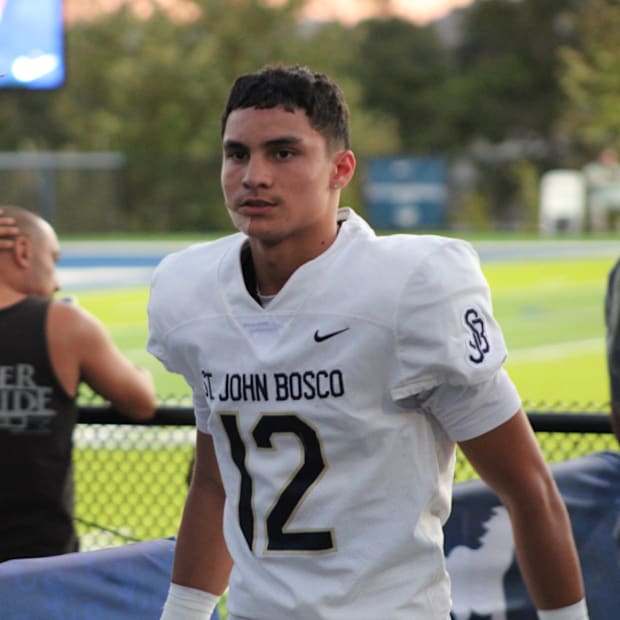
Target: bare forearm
[(546, 553), (201, 558), (138, 400), (509, 460)]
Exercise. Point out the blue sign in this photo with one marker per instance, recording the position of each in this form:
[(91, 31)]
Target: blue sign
[(406, 192), (31, 44)]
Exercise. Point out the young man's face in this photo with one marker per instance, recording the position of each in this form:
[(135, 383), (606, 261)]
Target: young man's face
[(278, 175)]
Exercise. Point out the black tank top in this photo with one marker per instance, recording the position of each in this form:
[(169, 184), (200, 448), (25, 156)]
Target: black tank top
[(37, 418)]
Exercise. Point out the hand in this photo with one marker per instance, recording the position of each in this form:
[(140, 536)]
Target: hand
[(8, 230)]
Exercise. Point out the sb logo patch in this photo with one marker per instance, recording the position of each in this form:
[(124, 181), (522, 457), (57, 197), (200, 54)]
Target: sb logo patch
[(478, 344)]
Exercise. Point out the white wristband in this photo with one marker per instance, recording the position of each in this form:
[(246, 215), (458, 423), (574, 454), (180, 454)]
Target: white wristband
[(185, 603), (577, 611)]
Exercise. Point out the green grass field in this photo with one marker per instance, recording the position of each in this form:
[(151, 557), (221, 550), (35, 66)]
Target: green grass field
[(552, 316)]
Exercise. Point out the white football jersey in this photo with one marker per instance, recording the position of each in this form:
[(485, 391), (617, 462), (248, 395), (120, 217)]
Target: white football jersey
[(334, 413)]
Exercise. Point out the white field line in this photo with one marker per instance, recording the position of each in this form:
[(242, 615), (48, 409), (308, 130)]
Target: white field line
[(551, 352), (75, 279), (133, 437)]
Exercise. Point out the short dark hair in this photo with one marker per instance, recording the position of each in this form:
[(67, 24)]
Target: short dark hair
[(294, 87)]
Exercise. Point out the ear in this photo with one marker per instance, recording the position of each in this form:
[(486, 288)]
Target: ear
[(22, 252), (344, 167)]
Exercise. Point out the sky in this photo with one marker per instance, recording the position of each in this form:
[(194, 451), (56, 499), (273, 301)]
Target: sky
[(347, 11), (350, 11)]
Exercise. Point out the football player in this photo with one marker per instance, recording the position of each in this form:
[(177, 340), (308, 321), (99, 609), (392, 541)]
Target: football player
[(333, 372)]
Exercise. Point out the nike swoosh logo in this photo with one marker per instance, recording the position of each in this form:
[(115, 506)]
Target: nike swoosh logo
[(321, 337)]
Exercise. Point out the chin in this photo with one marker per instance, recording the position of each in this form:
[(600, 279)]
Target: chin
[(256, 228), (241, 223)]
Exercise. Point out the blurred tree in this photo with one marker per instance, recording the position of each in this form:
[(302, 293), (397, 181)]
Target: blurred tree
[(157, 94), (154, 89), (510, 96), (400, 67), (509, 67), (590, 78)]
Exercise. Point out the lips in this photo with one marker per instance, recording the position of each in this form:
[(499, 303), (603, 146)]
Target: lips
[(253, 205), (255, 202)]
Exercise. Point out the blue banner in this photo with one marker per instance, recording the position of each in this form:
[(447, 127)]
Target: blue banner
[(406, 192), (486, 583), (110, 584)]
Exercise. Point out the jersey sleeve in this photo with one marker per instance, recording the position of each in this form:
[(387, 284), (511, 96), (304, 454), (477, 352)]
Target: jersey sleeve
[(465, 412), (445, 329), (162, 310), (160, 319)]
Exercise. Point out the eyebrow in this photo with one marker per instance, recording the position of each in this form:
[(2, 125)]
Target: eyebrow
[(274, 142)]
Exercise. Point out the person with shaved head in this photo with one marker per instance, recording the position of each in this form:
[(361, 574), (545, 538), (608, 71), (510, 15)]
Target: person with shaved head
[(47, 349)]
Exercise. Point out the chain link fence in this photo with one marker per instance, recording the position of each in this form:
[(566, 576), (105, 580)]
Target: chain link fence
[(131, 479)]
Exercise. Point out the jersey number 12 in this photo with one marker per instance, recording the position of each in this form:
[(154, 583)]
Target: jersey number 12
[(279, 538)]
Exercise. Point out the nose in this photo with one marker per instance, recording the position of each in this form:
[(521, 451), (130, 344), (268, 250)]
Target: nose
[(257, 173)]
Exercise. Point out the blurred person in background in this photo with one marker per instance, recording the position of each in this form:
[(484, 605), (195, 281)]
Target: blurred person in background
[(612, 322), (333, 372), (603, 190), (47, 348)]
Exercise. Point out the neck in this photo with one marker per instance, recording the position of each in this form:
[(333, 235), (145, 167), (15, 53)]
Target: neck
[(275, 264), (9, 297), (12, 285)]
